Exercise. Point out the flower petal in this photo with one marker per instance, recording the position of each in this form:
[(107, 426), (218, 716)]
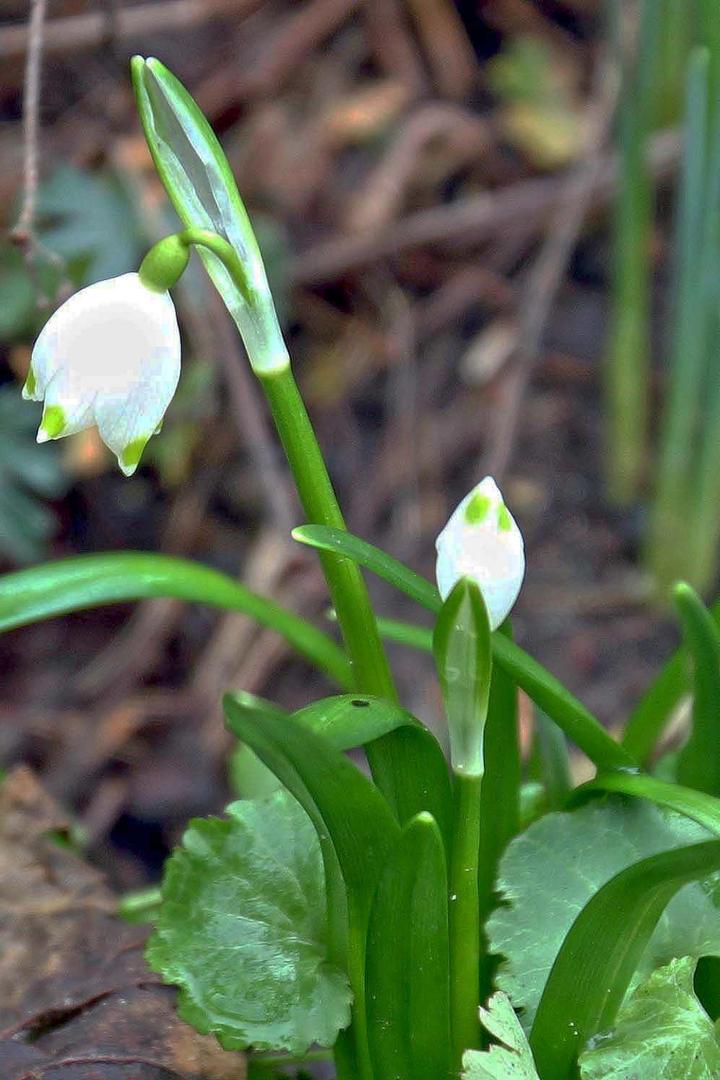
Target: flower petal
[(109, 355), (481, 541), (126, 423)]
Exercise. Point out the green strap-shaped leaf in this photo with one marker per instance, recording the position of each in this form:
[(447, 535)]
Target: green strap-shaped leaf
[(580, 726), (702, 808), (593, 969), (463, 657), (407, 959), (422, 780), (351, 720), (88, 581), (355, 827), (390, 569), (199, 181), (699, 760), (353, 821), (549, 762)]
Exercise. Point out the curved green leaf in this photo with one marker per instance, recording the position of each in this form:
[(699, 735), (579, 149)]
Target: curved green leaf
[(545, 690), (88, 581), (421, 781), (347, 809), (580, 726), (656, 706), (355, 827), (598, 957), (390, 569), (702, 808), (550, 762), (698, 762), (407, 959), (499, 793), (242, 930), (199, 181), (352, 720)]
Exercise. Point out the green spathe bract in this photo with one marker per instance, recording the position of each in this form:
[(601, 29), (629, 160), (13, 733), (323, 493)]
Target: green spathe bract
[(200, 183), (463, 656)]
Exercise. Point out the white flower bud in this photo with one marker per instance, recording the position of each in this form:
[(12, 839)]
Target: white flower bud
[(110, 355), (482, 542)]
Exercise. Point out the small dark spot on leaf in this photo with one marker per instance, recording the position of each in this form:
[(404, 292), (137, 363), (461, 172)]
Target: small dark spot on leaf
[(360, 704)]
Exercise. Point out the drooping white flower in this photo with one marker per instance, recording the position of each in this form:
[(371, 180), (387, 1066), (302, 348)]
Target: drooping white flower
[(110, 355), (481, 541)]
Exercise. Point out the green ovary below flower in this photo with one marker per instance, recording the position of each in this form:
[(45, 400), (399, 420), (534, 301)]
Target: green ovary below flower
[(109, 356)]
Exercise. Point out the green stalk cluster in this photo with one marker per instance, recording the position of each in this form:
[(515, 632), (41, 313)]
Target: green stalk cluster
[(676, 43)]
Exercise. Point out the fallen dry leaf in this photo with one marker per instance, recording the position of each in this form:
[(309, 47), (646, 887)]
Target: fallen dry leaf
[(77, 1000)]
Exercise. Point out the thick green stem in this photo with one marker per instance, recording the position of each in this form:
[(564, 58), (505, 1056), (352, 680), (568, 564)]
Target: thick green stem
[(347, 589), (465, 917), (371, 671)]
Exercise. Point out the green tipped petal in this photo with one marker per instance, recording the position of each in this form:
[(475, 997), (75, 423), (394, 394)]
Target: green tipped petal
[(53, 423), (505, 522), (129, 459), (29, 390), (477, 509)]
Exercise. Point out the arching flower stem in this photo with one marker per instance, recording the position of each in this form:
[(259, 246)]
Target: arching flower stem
[(347, 588)]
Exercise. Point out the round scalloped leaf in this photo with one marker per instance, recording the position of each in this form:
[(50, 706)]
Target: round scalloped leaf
[(550, 871), (242, 930), (661, 1031)]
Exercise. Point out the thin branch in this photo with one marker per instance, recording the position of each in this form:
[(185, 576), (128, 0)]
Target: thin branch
[(23, 233)]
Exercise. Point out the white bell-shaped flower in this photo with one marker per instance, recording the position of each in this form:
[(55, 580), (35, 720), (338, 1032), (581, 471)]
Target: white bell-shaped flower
[(481, 541), (110, 355)]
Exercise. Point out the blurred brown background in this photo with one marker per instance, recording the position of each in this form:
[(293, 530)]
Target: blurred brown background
[(430, 184)]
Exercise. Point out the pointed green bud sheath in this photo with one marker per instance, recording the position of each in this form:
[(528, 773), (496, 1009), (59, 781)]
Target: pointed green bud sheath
[(164, 264), (462, 647), (200, 184)]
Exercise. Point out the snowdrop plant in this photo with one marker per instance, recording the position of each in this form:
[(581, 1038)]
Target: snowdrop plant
[(433, 916)]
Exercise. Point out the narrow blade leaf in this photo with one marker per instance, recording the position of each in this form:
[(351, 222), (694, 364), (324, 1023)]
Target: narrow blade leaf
[(390, 569), (89, 581), (422, 780), (653, 711), (594, 967), (699, 760), (499, 793), (348, 812), (351, 720), (696, 805), (407, 959)]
